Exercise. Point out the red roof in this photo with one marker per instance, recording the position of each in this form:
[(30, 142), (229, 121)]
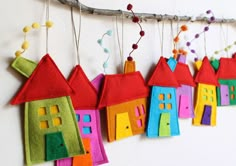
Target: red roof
[(227, 68), (206, 74), (163, 76), (45, 82), (120, 88), (183, 74), (84, 95)]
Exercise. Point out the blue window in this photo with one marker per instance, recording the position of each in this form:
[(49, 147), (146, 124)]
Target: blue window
[(87, 130), (87, 118)]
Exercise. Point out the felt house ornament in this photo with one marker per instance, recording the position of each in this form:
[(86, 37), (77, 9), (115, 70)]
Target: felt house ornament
[(125, 99), (206, 102), (226, 75), (50, 125), (184, 95), (163, 114), (85, 100)]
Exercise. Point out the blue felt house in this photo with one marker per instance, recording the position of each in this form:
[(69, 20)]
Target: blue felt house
[(163, 114)]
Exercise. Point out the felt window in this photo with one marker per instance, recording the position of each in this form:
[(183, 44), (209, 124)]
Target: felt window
[(211, 99), (87, 130), (161, 96), (77, 117), (162, 106), (44, 125), (232, 88), (204, 90), (140, 114), (168, 96), (169, 106), (232, 96), (56, 121), (42, 111), (204, 97), (86, 118), (54, 109)]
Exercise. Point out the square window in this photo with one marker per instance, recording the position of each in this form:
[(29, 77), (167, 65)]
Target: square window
[(87, 130), (54, 109), (205, 90), (169, 106), (56, 121), (77, 117), (139, 123), (161, 96), (137, 113), (232, 88), (142, 110), (168, 96), (211, 99), (44, 125), (161, 106), (204, 97), (87, 118), (232, 96), (42, 111), (211, 92)]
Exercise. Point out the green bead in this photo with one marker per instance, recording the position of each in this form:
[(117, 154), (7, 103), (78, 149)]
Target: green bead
[(106, 50)]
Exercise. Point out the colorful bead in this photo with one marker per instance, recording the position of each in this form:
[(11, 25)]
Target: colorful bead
[(134, 46), (129, 58), (109, 32), (106, 50), (208, 11), (193, 51), (188, 43), (184, 28), (142, 33), (49, 24), (129, 7), (26, 29), (176, 39), (135, 19), (206, 28), (35, 25), (18, 53), (25, 45), (196, 36), (99, 41)]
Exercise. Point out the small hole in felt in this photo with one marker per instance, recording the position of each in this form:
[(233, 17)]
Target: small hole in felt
[(54, 109), (167, 123), (62, 144), (127, 127), (87, 152)]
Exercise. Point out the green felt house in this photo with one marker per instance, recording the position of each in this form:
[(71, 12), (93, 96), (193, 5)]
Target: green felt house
[(50, 126)]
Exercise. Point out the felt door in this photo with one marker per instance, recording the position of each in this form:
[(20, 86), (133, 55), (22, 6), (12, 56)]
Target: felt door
[(123, 127), (224, 95), (206, 117), (184, 108), (164, 128), (55, 146)]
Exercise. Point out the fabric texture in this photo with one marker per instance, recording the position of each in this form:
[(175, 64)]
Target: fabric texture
[(84, 94), (45, 82), (163, 76), (227, 69), (24, 66), (119, 88), (129, 66), (206, 74)]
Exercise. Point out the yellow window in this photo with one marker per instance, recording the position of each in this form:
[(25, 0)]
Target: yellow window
[(169, 106), (168, 96), (56, 121), (161, 96), (44, 124), (54, 109), (161, 106), (42, 111)]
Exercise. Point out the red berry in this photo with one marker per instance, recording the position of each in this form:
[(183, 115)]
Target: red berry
[(129, 7), (142, 33), (129, 58), (135, 19), (134, 46)]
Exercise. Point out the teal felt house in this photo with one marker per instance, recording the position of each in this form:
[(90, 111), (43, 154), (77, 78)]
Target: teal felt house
[(163, 114), (50, 126)]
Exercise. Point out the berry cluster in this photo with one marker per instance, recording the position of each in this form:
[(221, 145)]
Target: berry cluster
[(135, 19)]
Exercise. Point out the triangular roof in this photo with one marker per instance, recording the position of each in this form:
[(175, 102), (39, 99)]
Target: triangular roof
[(45, 82), (119, 88), (84, 94), (183, 74), (206, 74), (163, 76), (227, 68)]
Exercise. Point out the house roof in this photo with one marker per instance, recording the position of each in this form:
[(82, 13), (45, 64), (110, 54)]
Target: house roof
[(183, 74), (119, 88), (227, 69), (163, 76), (206, 74), (45, 82), (84, 94)]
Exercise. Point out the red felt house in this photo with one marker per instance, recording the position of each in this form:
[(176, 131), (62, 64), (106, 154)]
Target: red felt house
[(125, 99)]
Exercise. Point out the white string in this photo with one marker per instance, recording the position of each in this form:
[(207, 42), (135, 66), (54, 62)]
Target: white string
[(161, 34), (224, 38), (47, 18), (76, 37)]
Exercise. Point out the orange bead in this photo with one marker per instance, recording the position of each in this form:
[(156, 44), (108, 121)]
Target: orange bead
[(184, 28), (176, 39), (174, 51)]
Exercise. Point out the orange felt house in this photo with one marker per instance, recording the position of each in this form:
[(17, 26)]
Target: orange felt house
[(125, 99)]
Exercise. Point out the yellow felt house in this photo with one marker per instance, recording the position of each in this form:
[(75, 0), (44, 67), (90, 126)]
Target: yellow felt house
[(206, 101)]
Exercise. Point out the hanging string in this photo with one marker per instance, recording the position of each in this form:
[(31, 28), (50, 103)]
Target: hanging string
[(205, 43), (161, 34), (47, 19), (76, 37)]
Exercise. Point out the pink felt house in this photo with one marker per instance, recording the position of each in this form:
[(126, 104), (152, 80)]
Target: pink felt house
[(84, 99)]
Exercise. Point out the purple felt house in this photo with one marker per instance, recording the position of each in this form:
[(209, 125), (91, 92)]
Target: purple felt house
[(184, 95), (85, 100)]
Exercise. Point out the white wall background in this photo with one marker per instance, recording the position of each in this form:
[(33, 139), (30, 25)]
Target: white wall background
[(195, 146)]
